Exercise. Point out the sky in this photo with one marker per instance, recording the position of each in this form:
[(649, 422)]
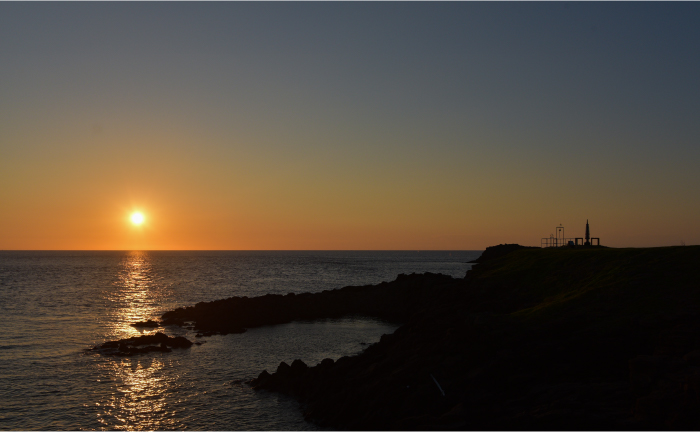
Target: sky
[(359, 126)]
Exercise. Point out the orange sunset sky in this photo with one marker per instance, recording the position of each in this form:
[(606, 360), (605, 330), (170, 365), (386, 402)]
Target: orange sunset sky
[(347, 125)]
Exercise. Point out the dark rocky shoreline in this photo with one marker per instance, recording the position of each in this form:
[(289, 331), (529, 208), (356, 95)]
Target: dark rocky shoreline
[(596, 339), (393, 301)]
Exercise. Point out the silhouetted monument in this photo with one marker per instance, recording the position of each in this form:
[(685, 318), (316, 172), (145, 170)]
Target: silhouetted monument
[(559, 240)]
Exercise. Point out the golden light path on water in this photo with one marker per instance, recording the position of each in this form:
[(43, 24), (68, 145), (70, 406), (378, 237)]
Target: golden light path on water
[(138, 402), (137, 291), (140, 384)]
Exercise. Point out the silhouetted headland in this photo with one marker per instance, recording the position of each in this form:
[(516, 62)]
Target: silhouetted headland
[(531, 338), (494, 252)]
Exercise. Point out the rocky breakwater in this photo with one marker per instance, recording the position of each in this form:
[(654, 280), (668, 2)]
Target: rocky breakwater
[(393, 301), (530, 339), (158, 342)]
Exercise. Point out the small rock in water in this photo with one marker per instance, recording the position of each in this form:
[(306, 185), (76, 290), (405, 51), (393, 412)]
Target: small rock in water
[(149, 323), (142, 344)]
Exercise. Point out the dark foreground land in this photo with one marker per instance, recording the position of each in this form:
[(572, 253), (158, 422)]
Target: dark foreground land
[(547, 339)]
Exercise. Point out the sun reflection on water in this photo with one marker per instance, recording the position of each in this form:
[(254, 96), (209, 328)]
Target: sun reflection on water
[(137, 293), (139, 385), (138, 401)]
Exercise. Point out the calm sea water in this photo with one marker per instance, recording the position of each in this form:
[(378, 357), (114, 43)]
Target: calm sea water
[(54, 305)]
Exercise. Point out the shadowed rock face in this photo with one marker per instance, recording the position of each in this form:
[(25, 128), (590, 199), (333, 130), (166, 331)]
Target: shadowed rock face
[(158, 342), (491, 380)]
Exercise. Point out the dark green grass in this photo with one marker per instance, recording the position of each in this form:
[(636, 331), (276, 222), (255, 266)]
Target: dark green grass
[(602, 283)]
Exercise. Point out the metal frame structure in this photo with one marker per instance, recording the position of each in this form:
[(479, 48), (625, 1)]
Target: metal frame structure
[(559, 240), (553, 241)]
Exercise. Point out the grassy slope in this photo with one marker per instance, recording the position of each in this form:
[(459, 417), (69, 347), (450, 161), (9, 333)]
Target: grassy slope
[(608, 284)]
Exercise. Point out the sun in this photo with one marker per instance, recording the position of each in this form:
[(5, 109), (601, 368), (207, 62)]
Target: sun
[(137, 218)]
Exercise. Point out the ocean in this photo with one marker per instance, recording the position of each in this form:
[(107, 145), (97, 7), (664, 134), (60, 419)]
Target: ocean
[(55, 305)]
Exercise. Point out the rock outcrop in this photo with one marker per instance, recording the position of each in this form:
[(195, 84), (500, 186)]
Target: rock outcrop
[(146, 324), (158, 342)]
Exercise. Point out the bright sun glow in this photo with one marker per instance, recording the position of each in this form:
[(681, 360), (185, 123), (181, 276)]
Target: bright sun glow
[(137, 218)]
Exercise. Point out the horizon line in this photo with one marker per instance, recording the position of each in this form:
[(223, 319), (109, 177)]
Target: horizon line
[(241, 250)]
